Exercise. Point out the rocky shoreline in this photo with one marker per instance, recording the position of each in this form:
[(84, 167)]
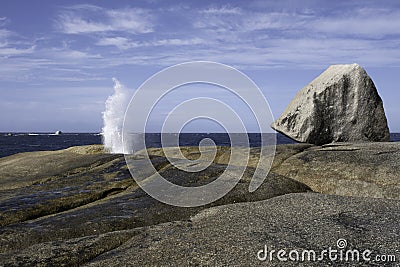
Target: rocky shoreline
[(80, 206)]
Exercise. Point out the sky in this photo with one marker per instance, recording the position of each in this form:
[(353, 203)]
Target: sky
[(58, 58)]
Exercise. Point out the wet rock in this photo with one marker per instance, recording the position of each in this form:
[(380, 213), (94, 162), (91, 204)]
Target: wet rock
[(85, 195), (37, 184)]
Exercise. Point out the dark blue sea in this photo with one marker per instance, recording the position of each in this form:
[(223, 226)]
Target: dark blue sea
[(27, 142)]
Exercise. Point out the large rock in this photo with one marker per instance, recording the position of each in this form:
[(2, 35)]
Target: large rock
[(340, 105)]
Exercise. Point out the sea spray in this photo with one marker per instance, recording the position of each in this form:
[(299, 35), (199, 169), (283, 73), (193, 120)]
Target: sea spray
[(113, 118)]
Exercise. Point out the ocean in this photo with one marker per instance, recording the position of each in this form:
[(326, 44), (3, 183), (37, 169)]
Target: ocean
[(27, 142)]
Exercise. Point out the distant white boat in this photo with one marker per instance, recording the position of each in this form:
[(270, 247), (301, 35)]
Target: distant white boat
[(57, 133)]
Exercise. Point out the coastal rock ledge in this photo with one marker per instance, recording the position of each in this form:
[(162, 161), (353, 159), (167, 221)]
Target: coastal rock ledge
[(80, 207), (340, 105)]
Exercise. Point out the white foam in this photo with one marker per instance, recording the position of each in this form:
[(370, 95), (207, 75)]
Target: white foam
[(113, 117)]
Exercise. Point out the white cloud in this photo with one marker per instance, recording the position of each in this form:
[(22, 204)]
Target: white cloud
[(120, 42), (23, 64), (4, 34), (223, 10), (12, 51), (85, 7), (65, 78), (304, 52), (243, 37), (67, 54), (247, 21), (179, 42), (72, 24), (125, 43), (274, 21), (74, 54), (136, 20), (353, 23), (81, 19), (3, 21), (364, 22)]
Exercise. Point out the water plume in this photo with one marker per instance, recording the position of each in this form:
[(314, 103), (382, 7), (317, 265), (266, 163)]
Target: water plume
[(113, 118)]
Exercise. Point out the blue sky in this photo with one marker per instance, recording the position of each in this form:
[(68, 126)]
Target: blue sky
[(57, 58)]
